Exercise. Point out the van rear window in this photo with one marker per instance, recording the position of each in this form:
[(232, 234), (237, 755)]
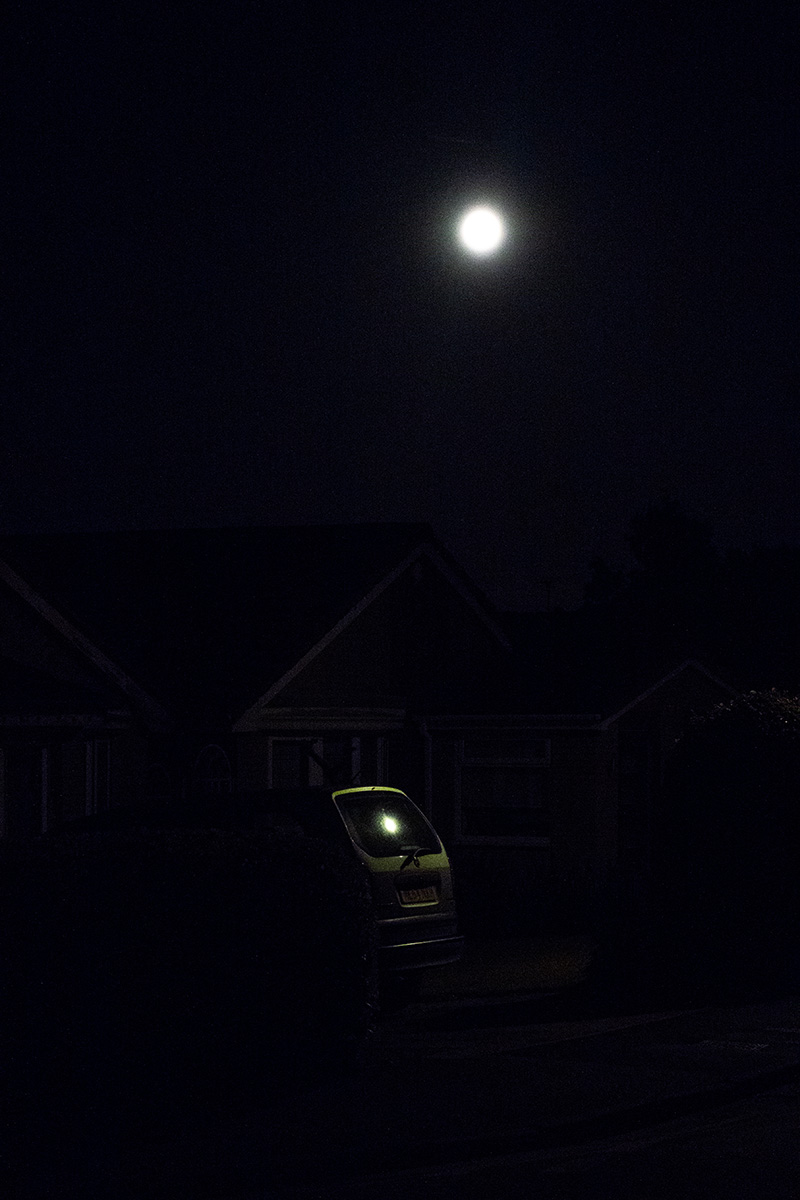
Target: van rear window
[(384, 823)]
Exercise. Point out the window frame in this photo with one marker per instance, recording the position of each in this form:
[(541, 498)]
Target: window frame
[(98, 775), (316, 774), (538, 764)]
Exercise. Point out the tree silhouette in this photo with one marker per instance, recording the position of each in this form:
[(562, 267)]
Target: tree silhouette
[(680, 597)]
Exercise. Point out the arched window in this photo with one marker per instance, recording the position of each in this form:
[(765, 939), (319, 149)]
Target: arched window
[(212, 772)]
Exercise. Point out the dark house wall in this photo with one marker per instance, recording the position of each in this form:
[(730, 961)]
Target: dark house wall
[(540, 843), (68, 741)]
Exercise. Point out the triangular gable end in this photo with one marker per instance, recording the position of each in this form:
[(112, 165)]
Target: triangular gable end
[(690, 664), (249, 720)]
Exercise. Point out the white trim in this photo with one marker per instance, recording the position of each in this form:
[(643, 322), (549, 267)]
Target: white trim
[(315, 776), (67, 721), (355, 758), (689, 664), (2, 792), (427, 759), (466, 594), (82, 643), (381, 759), (250, 720), (330, 636), (45, 782), (328, 720), (90, 797), (98, 775)]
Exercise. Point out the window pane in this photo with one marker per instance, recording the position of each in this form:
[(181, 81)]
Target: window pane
[(501, 787), (503, 801), (290, 763)]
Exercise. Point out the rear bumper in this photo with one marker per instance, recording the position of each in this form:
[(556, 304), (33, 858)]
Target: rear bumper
[(412, 956)]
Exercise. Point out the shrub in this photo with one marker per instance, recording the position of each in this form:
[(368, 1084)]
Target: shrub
[(141, 966), (728, 846)]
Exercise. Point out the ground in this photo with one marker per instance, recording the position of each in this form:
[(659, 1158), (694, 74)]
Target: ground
[(490, 1086)]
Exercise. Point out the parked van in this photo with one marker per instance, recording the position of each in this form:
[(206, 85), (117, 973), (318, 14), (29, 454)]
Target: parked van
[(410, 875), (409, 871)]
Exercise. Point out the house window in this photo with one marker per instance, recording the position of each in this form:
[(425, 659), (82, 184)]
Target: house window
[(212, 772), (98, 775), (503, 787), (295, 762), (329, 761)]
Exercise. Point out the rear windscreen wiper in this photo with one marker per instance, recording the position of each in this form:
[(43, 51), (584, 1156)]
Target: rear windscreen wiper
[(413, 853)]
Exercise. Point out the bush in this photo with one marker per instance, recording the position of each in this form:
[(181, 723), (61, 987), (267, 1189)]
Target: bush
[(729, 843), (147, 966)]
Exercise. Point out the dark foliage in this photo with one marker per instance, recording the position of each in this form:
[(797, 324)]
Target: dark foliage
[(681, 597), (726, 872), (147, 968)]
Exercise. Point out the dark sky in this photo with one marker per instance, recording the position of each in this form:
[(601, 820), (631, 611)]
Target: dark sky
[(237, 298)]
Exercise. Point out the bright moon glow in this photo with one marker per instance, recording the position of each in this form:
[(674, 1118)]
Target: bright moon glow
[(390, 825), (481, 230)]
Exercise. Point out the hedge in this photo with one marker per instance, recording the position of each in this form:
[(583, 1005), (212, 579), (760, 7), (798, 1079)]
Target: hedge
[(146, 967)]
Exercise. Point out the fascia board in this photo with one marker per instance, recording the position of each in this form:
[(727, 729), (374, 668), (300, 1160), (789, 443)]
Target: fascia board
[(63, 721), (153, 710), (251, 719), (466, 594), (689, 664), (283, 720)]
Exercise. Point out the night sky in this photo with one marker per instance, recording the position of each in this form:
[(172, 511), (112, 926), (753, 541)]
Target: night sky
[(237, 298)]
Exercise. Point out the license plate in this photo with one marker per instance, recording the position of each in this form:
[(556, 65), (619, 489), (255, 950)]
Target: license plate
[(425, 895)]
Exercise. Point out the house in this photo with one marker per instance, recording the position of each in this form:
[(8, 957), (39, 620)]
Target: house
[(186, 663), (209, 660)]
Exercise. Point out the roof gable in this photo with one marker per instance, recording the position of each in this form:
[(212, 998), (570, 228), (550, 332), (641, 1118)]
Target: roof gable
[(449, 578), (211, 617), (690, 665), (47, 687)]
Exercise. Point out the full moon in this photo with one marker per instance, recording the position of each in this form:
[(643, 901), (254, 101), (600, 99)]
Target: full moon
[(481, 230)]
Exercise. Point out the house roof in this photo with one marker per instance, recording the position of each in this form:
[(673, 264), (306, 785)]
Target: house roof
[(573, 662), (26, 693), (213, 613), (689, 666)]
